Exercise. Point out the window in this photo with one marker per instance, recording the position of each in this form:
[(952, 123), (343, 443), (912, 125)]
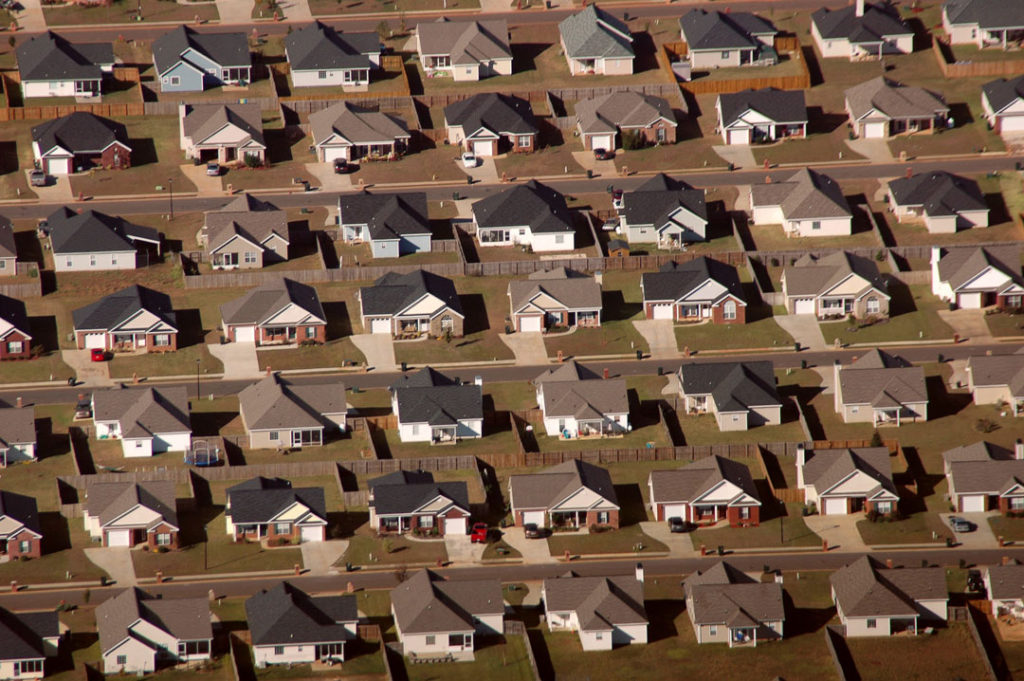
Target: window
[(415, 429), (274, 435), (1014, 300), (25, 547), (68, 262), (602, 517), (854, 409), (15, 347), (559, 238), (122, 660), (713, 630), (455, 640), (138, 444), (282, 528), (1016, 504), (659, 134), (113, 258), (426, 521), (599, 636), (522, 231), (278, 650), (816, 224), (250, 257), (883, 507), (163, 538), (745, 512), (725, 54), (162, 340), (871, 623), (322, 75), (447, 323), (92, 261), (729, 310), (3, 264), (310, 332), (524, 141), (28, 667), (872, 305), (431, 640)]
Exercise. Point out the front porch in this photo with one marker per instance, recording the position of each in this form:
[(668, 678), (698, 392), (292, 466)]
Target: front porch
[(444, 435), (278, 335), (412, 327), (594, 429)]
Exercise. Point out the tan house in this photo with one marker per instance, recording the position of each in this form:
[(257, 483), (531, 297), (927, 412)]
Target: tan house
[(880, 389), (835, 286), (128, 513), (728, 606), (945, 202), (595, 42), (416, 303), (845, 481), (279, 414), (282, 312), (225, 133), (344, 131), (983, 477), (560, 298), (245, 234), (464, 50), (605, 612), (741, 395), (998, 379), (879, 109), (491, 123), (807, 204), (571, 494), (706, 491), (875, 601), (604, 122)]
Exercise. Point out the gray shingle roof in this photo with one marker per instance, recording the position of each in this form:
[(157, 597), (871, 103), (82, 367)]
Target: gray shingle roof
[(1006, 582), (622, 109), (394, 292), (724, 595), (22, 633), (573, 290), (224, 49), (805, 195), (988, 14), (734, 386), (552, 485), (144, 412), (20, 507), (275, 402), (1005, 370), (262, 505), (357, 125), (939, 193), (13, 312), (959, 265), (17, 426), (51, 57), (689, 482), (600, 603), (186, 619), (781, 106), (203, 120), (495, 112), (387, 216), (116, 308), (657, 199), (864, 589), (893, 100), (428, 604), (825, 468), (880, 21), (93, 232), (533, 204), (1002, 92), (704, 30), (568, 371), (466, 42), (442, 402), (392, 499), (79, 132), (811, 275), (318, 46), (883, 386), (585, 399), (261, 303), (108, 500), (284, 615), (677, 280), (248, 217), (593, 32)]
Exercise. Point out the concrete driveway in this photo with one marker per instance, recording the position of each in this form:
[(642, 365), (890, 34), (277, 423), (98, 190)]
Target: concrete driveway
[(239, 359), (329, 180), (969, 324), (740, 155), (804, 329), (486, 171), (679, 545), (527, 346), (461, 550), (205, 184), (599, 168), (535, 551), (378, 348), (87, 372), (116, 562), (840, 531), (876, 150), (660, 336), (57, 191), (318, 558), (981, 538)]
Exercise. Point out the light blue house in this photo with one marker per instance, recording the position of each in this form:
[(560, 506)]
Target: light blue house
[(187, 61), (393, 224)]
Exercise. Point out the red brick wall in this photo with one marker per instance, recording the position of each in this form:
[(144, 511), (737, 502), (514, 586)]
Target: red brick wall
[(1002, 303), (162, 529), (650, 134), (35, 549), (733, 515), (718, 318), (25, 350), (124, 157), (320, 331), (613, 518), (152, 347), (514, 139)]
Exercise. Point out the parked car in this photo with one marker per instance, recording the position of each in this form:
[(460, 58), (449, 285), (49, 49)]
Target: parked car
[(469, 159), (343, 167), (479, 533), (98, 355), (533, 531), (213, 169), (677, 524), (37, 178), (960, 524), (602, 154)]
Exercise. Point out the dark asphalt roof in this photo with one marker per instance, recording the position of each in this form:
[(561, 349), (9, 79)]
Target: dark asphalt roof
[(879, 21), (22, 633), (533, 204), (1001, 93), (988, 14), (387, 216), (704, 30), (182, 618), (940, 192), (394, 292), (401, 499), (79, 132), (262, 505), (552, 485), (93, 232), (284, 614), (781, 106), (734, 386), (689, 482), (676, 280), (654, 202), (111, 310), (21, 508), (813, 275), (108, 500), (443, 402), (318, 46), (260, 303), (427, 603), (50, 57), (495, 112), (225, 49)]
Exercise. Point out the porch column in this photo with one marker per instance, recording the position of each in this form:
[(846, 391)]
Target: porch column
[(716, 512), (898, 410)]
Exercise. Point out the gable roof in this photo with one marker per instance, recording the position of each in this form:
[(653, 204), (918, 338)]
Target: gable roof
[(568, 287), (567, 371), (734, 386), (593, 32), (185, 619), (825, 468), (1005, 370), (1002, 92), (108, 500), (79, 132), (427, 603), (495, 112), (400, 499), (144, 412), (263, 505), (49, 56), (466, 42), (983, 468), (988, 14), (533, 204), (21, 508), (864, 589), (724, 595), (816, 275), (958, 266), (806, 194), (550, 486), (13, 312), (285, 614), (675, 281), (94, 232), (879, 22), (203, 120), (1005, 582), (600, 603), (355, 124), (691, 481), (939, 193), (882, 386), (112, 310), (22, 633), (387, 216), (275, 402), (319, 46), (704, 30), (893, 100), (246, 216), (585, 400), (259, 304), (656, 200), (223, 49), (622, 109), (393, 293), (432, 398), (17, 426), (781, 106)]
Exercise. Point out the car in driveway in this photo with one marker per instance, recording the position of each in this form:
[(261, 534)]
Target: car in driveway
[(343, 167), (602, 154), (38, 178), (961, 524), (533, 531), (469, 160), (479, 533), (213, 169), (97, 355), (677, 525)]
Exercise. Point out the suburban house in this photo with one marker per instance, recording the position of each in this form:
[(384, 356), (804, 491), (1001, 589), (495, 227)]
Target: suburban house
[(945, 202), (8, 249), (741, 395), (997, 379), (974, 277), (320, 56), (663, 211), (560, 298), (706, 491), (434, 408), (835, 286), (225, 133), (861, 31), (393, 224), (595, 42), (50, 66), (571, 494), (1004, 585), (410, 501), (491, 123), (809, 203), (272, 509), (983, 476), (140, 633), (441, 619), (845, 481), (91, 241), (289, 626), (129, 513), (188, 61), (604, 611), (714, 39), (17, 435), (247, 233), (280, 414), (411, 304), (876, 601), (26, 640), (697, 290), (148, 420), (280, 312), (20, 531), (575, 403), (464, 50), (879, 109), (761, 116), (728, 606), (625, 119), (15, 336), (1002, 101), (880, 389), (347, 132), (135, 319), (983, 23), (531, 214), (80, 141)]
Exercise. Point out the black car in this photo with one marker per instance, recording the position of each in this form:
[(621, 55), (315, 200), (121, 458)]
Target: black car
[(602, 154), (677, 524), (343, 167)]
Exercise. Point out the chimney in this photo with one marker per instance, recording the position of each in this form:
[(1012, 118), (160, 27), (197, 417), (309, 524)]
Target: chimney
[(860, 8), (640, 572), (888, 563), (1018, 446), (18, 403), (801, 459)]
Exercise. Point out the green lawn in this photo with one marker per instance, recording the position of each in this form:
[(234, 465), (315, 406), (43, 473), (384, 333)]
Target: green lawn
[(624, 540), (691, 154), (500, 658), (703, 430), (328, 356), (123, 11), (47, 367), (793, 532), (363, 662), (816, 147), (1010, 529), (549, 160), (338, 7), (763, 333), (366, 549), (916, 529), (439, 165), (495, 442), (616, 337), (181, 362), (1004, 324), (914, 318), (67, 557), (501, 550)]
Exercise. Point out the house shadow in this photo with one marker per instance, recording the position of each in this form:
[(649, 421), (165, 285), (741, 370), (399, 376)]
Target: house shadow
[(820, 122), (922, 36), (143, 151), (631, 504), (646, 53), (64, 660), (26, 243), (662, 615), (941, 402), (998, 213), (813, 65), (961, 114), (441, 229), (44, 333), (338, 323), (884, 230), (9, 158), (302, 239), (343, 525), (50, 443), (541, 655), (190, 327), (279, 147), (524, 56), (209, 423), (901, 299), (861, 220), (193, 523), (739, 222), (614, 307), (56, 533), (475, 310), (803, 621)]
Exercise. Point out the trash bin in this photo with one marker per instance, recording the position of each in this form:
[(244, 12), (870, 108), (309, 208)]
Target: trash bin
[(455, 196), (796, 346), (405, 367), (590, 174), (803, 364), (661, 371), (639, 354), (721, 550)]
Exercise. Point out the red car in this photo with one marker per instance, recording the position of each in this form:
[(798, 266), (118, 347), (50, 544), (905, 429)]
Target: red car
[(479, 534), (98, 355)]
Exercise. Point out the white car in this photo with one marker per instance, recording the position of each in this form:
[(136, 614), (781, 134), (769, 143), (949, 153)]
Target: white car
[(469, 159)]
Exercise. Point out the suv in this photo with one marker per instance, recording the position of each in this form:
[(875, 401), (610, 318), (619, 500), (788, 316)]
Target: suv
[(37, 178), (676, 525), (479, 534), (960, 524), (602, 154), (343, 167)]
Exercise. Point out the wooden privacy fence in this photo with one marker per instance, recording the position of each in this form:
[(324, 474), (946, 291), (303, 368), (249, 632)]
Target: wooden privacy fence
[(31, 289), (953, 69), (790, 45)]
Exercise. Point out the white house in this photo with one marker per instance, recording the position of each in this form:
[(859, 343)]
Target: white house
[(26, 640), (148, 421), (663, 211), (875, 601), (997, 379), (595, 42), (320, 56), (127, 514), (1004, 585), (845, 481), (530, 214), (17, 433), (879, 109), (1003, 103), (288, 626), (574, 407), (761, 116), (50, 66), (808, 204), (861, 31), (984, 23), (604, 611), (945, 202), (573, 494), (434, 408), (464, 50)]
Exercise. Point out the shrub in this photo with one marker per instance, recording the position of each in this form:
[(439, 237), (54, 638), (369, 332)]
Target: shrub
[(162, 549), (252, 160), (985, 425), (872, 516), (876, 439), (631, 140)]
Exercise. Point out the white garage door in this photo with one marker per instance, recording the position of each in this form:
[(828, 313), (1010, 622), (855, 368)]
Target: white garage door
[(874, 130), (58, 166), (380, 326), (663, 312), (335, 153), (602, 142), (969, 301), (1012, 123), (245, 334), (974, 503), (95, 340), (454, 526), (533, 517), (314, 533), (739, 136), (529, 324), (835, 506), (482, 148), (675, 511), (119, 538), (804, 306)]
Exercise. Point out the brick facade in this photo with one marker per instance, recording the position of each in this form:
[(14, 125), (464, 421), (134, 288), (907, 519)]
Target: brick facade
[(457, 325), (15, 336), (732, 514), (162, 529), (266, 337), (413, 521), (108, 342), (613, 518), (717, 313), (35, 549)]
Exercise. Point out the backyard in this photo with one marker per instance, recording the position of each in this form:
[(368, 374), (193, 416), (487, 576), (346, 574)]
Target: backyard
[(949, 652)]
